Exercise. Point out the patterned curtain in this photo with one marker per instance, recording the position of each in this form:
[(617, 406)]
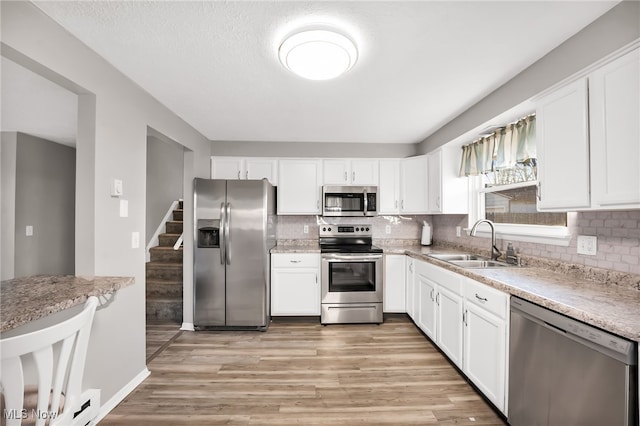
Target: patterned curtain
[(505, 149)]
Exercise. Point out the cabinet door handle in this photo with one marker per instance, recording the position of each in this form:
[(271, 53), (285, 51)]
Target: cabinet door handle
[(396, 204), (464, 318), (483, 299), (246, 174), (402, 204), (316, 278), (238, 174), (438, 299), (353, 176), (431, 295), (345, 176)]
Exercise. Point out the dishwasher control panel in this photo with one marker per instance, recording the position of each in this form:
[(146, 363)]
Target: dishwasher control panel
[(599, 340)]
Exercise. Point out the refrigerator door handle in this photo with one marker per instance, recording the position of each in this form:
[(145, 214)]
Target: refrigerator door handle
[(222, 236), (228, 236)]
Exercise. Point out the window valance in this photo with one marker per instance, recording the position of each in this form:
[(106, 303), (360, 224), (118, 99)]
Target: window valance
[(505, 149)]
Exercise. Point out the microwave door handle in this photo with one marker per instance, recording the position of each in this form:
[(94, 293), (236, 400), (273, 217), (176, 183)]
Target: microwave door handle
[(366, 203)]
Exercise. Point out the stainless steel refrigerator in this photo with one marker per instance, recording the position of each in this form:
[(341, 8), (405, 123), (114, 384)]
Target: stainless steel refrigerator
[(234, 230)]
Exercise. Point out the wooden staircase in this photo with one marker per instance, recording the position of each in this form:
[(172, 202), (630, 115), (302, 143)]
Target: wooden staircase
[(164, 274)]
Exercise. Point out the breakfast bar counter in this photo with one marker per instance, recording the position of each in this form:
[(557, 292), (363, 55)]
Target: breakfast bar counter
[(30, 298)]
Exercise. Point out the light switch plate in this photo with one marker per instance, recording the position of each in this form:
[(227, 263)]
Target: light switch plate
[(116, 188), (135, 240), (387, 229), (124, 208), (29, 231), (305, 229), (587, 245)]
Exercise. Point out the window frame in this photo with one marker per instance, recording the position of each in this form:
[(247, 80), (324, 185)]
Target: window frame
[(541, 234)]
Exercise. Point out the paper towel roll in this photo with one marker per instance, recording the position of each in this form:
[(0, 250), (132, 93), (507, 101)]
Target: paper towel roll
[(426, 234)]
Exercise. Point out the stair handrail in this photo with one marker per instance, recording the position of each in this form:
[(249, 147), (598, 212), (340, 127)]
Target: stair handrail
[(178, 243), (155, 240)]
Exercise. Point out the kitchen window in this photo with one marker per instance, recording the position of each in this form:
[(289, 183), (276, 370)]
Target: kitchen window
[(502, 168)]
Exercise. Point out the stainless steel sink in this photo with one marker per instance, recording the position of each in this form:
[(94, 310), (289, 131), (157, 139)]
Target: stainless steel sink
[(448, 257), (468, 260), (480, 263)]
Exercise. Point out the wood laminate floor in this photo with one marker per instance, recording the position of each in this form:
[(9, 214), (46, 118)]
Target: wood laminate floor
[(303, 373)]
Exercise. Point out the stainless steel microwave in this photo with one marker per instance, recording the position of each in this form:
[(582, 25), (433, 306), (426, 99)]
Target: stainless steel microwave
[(349, 200)]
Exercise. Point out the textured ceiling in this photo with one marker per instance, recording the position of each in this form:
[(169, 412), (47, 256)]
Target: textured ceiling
[(421, 63)]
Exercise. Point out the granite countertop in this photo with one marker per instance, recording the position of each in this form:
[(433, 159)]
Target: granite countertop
[(605, 299), (30, 298), (296, 246), (606, 305)]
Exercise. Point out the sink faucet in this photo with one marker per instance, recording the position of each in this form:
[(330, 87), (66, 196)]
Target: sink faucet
[(495, 253)]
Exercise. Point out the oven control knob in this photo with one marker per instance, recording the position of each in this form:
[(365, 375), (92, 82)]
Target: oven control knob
[(329, 229), (357, 229), (324, 229), (367, 229)]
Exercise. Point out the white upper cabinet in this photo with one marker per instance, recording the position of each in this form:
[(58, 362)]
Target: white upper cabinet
[(614, 103), (447, 192), (300, 183), (563, 148), (587, 138), (389, 187), (227, 167), (413, 185), (244, 168), (350, 172)]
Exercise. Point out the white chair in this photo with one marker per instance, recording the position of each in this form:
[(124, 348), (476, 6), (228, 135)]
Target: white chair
[(59, 385)]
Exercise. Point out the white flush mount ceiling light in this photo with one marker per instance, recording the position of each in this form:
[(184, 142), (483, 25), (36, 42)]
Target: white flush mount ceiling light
[(318, 54)]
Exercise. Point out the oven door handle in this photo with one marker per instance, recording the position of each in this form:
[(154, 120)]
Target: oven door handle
[(351, 257)]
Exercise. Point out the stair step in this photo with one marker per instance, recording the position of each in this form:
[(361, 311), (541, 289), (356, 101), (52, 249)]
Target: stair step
[(178, 214), (174, 227), (164, 271), (164, 289), (168, 239), (166, 254), (164, 310)]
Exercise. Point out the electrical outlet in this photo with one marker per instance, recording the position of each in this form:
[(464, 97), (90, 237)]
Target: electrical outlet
[(587, 245), (305, 229), (458, 231), (387, 229)]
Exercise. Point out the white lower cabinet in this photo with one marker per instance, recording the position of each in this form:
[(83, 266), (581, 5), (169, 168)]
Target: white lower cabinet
[(394, 299), (295, 284), (411, 299), (485, 340), (440, 308), (467, 320)]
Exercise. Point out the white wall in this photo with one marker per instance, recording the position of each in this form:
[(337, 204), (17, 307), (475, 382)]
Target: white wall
[(112, 134), (8, 154), (45, 200), (165, 171)]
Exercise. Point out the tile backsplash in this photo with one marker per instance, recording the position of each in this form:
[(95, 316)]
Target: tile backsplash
[(618, 233), (400, 227)]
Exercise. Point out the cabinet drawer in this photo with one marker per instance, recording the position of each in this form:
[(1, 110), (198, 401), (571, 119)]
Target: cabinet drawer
[(489, 298), (444, 278), (295, 260)]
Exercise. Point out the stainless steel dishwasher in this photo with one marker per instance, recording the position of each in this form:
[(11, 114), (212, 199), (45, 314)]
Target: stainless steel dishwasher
[(564, 372)]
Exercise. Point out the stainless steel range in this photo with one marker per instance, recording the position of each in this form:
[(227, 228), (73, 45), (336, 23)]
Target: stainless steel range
[(351, 275)]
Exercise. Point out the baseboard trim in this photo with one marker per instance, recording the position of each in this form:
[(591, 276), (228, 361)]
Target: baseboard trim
[(187, 326), (116, 399)]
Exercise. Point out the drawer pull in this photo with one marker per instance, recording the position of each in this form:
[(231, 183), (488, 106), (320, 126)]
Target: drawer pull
[(298, 261), (484, 299)]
